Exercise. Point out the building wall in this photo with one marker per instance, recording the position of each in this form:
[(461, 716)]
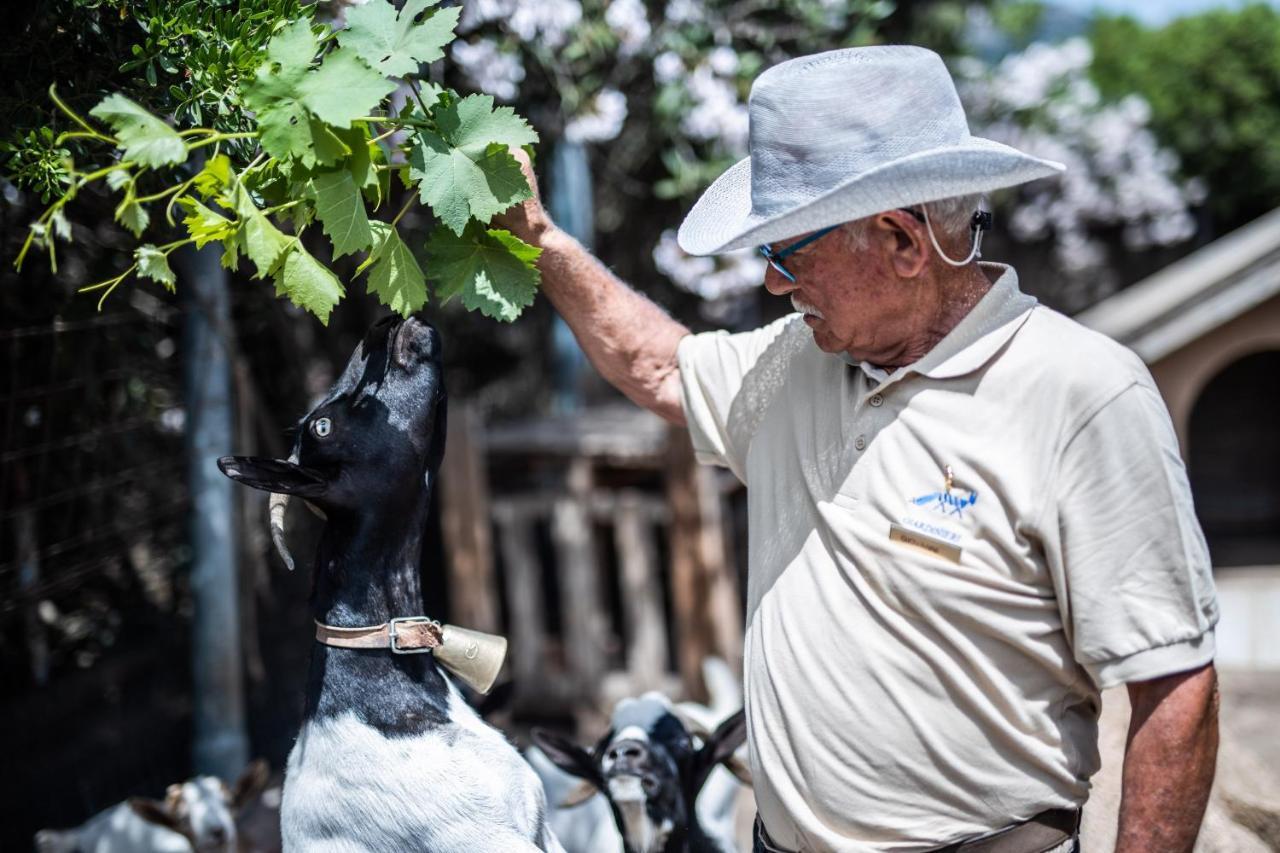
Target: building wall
[(1249, 596), (1182, 375)]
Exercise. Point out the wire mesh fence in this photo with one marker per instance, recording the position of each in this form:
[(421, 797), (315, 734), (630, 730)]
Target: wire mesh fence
[(93, 606)]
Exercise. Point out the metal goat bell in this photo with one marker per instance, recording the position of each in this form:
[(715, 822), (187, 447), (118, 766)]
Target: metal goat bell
[(473, 656)]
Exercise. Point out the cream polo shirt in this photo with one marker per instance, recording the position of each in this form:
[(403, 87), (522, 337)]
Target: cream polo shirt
[(924, 655)]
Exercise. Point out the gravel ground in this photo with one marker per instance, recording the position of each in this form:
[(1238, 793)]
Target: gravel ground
[(1244, 811)]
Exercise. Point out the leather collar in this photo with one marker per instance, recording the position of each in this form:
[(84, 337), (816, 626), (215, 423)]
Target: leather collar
[(406, 635)]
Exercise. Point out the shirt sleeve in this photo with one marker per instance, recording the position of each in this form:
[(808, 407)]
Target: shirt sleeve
[(1130, 563), (713, 369)]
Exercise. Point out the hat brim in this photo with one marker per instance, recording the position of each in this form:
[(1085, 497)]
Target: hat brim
[(722, 219)]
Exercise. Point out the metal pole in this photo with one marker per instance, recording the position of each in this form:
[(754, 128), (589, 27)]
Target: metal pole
[(573, 210), (221, 744)]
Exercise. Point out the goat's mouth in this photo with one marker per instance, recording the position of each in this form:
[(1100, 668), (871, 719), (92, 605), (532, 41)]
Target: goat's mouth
[(413, 342)]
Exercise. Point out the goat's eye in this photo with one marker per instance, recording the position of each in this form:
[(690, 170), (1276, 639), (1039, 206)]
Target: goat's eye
[(321, 427)]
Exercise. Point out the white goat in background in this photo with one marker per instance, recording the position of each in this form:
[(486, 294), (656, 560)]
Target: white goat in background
[(197, 815)]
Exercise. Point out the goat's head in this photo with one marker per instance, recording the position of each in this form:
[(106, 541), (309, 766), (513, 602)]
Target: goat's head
[(203, 808), (649, 767), (374, 440)]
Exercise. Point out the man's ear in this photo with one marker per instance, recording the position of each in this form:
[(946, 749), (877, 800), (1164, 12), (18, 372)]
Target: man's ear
[(718, 747), (568, 756), (907, 240), (274, 475), (153, 811)]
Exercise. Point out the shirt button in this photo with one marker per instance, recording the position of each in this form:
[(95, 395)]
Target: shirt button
[(877, 401), (860, 442)]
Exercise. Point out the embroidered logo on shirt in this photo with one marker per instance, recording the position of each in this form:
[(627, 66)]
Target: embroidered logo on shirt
[(950, 501)]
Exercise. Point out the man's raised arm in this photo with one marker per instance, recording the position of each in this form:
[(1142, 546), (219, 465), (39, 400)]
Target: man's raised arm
[(630, 341)]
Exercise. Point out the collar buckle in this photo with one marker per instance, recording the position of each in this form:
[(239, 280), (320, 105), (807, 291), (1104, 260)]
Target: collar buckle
[(393, 634)]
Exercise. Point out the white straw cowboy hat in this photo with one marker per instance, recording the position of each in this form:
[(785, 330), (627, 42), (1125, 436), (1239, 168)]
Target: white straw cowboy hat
[(841, 135)]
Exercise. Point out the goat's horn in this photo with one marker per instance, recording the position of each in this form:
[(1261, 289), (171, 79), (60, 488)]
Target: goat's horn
[(276, 507)]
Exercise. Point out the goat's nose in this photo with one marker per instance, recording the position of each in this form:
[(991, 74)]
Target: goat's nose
[(627, 755)]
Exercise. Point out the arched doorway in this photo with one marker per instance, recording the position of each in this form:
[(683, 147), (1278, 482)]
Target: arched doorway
[(1234, 466)]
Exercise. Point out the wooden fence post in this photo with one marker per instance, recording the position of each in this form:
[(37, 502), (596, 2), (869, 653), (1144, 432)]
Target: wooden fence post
[(524, 581), (464, 522), (581, 601), (641, 593), (703, 588)]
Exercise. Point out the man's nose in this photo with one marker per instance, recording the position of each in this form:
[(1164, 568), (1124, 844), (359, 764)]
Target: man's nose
[(777, 283)]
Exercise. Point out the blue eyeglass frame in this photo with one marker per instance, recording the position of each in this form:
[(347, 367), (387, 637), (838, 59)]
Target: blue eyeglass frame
[(775, 257)]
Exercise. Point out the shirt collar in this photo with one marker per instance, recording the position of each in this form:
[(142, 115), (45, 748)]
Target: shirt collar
[(976, 338)]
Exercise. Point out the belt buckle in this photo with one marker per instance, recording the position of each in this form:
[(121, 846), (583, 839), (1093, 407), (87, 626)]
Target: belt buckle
[(414, 620)]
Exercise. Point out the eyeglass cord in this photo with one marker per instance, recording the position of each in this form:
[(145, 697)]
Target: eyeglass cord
[(976, 252)]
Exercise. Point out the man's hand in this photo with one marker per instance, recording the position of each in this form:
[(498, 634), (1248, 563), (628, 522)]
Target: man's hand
[(1169, 762), (528, 220)]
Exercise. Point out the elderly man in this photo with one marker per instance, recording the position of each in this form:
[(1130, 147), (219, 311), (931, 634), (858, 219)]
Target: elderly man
[(968, 514)]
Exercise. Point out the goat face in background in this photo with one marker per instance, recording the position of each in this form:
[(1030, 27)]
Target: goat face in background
[(651, 770), (373, 442), (195, 815)]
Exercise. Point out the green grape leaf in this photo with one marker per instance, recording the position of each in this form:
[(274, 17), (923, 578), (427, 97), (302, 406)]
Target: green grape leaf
[(466, 170), (204, 225), (154, 264), (360, 159), (458, 187), (132, 215), (395, 277), (472, 124), (289, 56), (145, 139), (307, 283), (494, 271), (396, 45), (214, 177), (340, 209), (344, 88), (296, 105), (261, 242)]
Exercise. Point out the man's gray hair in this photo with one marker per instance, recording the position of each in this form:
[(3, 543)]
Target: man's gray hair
[(950, 218)]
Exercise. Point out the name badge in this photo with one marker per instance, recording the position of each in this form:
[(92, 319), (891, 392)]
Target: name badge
[(921, 542)]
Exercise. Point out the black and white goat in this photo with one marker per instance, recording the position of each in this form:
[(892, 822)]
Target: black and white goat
[(651, 770), (390, 756)]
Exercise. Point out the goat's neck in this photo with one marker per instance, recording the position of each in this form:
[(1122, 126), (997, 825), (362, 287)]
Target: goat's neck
[(367, 567)]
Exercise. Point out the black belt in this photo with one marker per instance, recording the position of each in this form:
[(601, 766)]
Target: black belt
[(1041, 833)]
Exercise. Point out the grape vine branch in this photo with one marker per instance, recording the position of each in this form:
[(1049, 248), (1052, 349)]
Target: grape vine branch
[(325, 139)]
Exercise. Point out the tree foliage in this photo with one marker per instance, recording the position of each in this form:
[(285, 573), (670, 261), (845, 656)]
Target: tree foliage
[(1213, 83), (307, 133)]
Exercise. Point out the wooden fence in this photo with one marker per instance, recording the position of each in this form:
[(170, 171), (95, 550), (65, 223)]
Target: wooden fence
[(597, 545)]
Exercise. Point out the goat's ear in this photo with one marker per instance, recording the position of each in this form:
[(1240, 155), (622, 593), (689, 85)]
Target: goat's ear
[(582, 792), (250, 784), (719, 747), (153, 811), (273, 475), (567, 755)]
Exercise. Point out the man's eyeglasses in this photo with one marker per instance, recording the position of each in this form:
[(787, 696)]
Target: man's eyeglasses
[(775, 257)]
